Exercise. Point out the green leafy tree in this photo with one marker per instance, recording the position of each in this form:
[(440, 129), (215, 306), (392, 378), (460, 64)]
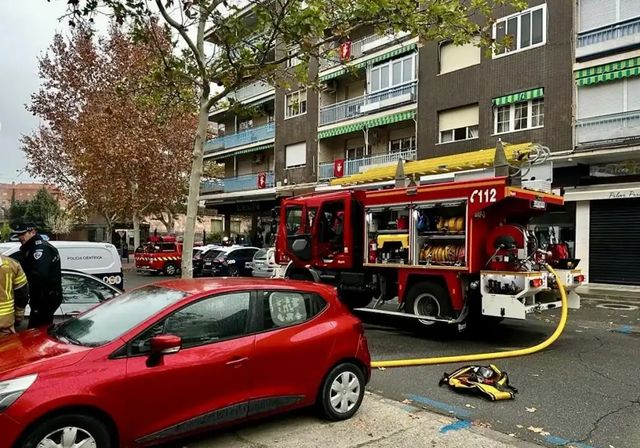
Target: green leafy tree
[(18, 210), (5, 231), (40, 209), (251, 40)]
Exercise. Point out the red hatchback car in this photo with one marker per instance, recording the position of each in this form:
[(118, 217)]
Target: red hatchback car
[(180, 357)]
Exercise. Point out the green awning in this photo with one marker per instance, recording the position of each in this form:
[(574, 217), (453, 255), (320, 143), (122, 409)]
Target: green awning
[(360, 65), (246, 151), (518, 97), (374, 122), (608, 72)]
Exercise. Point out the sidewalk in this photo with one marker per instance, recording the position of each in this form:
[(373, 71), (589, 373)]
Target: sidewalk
[(613, 293), (380, 422)]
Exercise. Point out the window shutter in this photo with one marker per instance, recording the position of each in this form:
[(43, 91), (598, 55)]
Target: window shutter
[(601, 99), (633, 94), (295, 154), (597, 13), (454, 57), (458, 118), (629, 9)]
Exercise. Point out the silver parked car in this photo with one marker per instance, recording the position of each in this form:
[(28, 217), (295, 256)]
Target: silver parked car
[(264, 263)]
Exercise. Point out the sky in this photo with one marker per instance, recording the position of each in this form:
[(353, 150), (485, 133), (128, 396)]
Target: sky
[(26, 31)]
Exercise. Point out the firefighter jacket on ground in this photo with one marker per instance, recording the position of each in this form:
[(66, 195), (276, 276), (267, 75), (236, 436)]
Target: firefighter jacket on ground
[(14, 293), (41, 262)]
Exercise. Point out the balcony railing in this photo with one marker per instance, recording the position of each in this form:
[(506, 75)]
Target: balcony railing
[(251, 90), (369, 103), (608, 127), (247, 182), (354, 166), (357, 48), (211, 186), (608, 37), (244, 137)]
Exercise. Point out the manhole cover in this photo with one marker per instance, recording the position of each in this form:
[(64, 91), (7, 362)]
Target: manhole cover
[(617, 306)]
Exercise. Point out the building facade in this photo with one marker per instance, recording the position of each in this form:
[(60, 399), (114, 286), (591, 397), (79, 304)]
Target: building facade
[(568, 78)]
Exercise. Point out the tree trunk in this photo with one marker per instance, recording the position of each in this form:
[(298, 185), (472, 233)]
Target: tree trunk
[(136, 230), (194, 189), (109, 231)]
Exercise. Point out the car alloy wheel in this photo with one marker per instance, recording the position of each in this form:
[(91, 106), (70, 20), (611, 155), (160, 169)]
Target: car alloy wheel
[(68, 437)]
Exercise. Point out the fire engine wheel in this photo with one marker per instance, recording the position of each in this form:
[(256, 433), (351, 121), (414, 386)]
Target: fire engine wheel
[(428, 299), (170, 269)]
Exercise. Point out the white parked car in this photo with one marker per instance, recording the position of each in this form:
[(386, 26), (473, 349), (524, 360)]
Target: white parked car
[(264, 263)]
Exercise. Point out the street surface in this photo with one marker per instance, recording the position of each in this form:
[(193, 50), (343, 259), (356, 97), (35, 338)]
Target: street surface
[(582, 391)]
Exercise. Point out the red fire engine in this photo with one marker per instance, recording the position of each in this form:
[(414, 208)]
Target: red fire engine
[(159, 254), (445, 251)]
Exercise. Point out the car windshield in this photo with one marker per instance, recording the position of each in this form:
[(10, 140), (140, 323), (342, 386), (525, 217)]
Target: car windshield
[(115, 317), (260, 255), (213, 253)]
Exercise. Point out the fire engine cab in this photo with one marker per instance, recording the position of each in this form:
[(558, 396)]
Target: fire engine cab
[(444, 251), (159, 255)]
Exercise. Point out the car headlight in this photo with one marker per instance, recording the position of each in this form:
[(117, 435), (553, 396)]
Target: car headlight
[(11, 390)]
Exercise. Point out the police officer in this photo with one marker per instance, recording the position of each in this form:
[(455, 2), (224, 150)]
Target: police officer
[(41, 262)]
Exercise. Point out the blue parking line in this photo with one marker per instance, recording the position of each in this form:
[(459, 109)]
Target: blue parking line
[(559, 441), (456, 426), (455, 410)]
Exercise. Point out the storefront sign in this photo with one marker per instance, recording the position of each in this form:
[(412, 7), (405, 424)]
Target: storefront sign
[(624, 194)]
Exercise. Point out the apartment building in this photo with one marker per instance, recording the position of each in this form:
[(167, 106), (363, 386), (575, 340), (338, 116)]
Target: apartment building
[(601, 175), (565, 81)]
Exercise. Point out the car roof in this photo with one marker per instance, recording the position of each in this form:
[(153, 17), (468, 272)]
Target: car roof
[(198, 286)]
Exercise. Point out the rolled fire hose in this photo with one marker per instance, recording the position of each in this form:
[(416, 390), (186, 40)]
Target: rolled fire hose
[(495, 355)]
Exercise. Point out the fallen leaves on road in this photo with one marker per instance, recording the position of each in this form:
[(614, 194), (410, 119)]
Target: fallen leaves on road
[(469, 406), (407, 401), (512, 435), (535, 429), (531, 409), (382, 368), (519, 426)]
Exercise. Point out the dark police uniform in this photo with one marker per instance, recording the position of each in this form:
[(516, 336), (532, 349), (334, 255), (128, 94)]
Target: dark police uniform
[(41, 263)]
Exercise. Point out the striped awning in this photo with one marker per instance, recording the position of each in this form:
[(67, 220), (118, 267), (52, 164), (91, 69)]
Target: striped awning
[(608, 72), (518, 97), (372, 123), (246, 151), (360, 65)]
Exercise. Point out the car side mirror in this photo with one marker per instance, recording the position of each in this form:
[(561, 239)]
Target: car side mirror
[(165, 344)]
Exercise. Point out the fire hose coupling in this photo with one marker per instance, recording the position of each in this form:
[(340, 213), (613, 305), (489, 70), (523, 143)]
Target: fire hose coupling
[(494, 355)]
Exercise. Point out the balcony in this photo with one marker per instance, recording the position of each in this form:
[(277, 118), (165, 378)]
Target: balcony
[(609, 37), (251, 90), (617, 126), (364, 45), (369, 103), (247, 182), (211, 186), (245, 137), (355, 166)]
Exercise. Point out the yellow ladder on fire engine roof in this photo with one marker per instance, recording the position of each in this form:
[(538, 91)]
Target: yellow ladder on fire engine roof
[(438, 165)]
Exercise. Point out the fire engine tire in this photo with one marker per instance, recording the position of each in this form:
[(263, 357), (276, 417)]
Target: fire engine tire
[(428, 299), (171, 269), (342, 392)]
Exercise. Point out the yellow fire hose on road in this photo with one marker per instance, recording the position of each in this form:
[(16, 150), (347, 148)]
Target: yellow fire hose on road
[(495, 355)]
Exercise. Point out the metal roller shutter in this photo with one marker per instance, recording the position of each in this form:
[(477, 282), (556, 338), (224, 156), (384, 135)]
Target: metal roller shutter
[(614, 248)]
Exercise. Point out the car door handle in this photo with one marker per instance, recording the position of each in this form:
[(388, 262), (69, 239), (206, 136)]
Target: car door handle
[(237, 361), (72, 313)]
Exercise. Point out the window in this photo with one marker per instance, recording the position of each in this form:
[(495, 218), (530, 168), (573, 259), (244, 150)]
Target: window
[(458, 124), (295, 155), (81, 289), (296, 104), (598, 13), (294, 219), (519, 116), (355, 153), (392, 73), (286, 308), (521, 31), (246, 124), (331, 229), (455, 57), (293, 59), (204, 322), (402, 145)]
